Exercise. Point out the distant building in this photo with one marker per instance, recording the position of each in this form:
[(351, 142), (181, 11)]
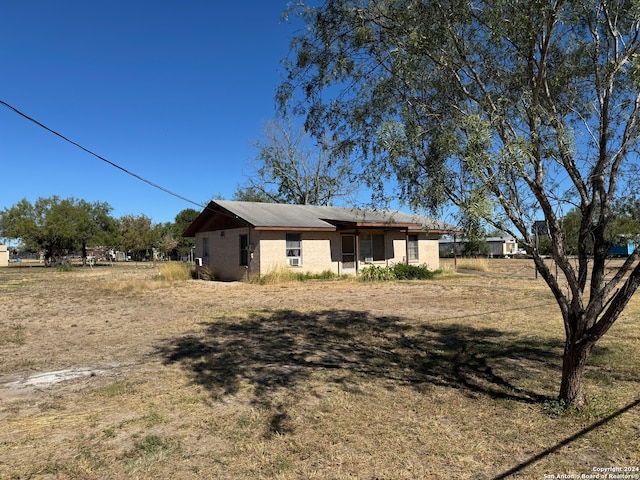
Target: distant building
[(622, 249), (497, 246), (4, 256)]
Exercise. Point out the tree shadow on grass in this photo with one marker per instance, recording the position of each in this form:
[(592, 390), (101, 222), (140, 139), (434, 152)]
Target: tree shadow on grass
[(277, 350)]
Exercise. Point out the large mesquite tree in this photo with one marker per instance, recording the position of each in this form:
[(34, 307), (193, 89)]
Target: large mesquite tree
[(512, 110)]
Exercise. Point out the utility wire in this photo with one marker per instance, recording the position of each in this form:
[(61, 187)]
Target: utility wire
[(128, 172)]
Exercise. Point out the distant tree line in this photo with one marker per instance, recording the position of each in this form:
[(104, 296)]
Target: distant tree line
[(58, 227)]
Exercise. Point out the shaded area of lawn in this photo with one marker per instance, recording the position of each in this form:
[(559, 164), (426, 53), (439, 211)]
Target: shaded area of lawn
[(275, 350)]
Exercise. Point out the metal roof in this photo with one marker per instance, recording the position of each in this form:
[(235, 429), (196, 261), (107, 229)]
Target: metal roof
[(275, 215)]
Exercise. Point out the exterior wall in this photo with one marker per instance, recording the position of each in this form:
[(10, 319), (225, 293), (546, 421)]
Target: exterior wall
[(4, 256), (427, 250), (224, 253), (502, 246), (429, 254), (318, 251), (321, 251)]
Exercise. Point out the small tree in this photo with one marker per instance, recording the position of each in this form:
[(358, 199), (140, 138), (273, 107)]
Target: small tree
[(510, 110), (166, 241), (182, 220), (136, 235)]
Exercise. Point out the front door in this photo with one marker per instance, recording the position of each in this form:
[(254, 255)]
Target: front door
[(348, 254)]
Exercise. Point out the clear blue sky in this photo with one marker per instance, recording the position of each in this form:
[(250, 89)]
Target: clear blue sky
[(174, 91)]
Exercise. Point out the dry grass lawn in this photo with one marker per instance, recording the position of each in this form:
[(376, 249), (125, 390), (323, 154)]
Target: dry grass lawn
[(110, 372)]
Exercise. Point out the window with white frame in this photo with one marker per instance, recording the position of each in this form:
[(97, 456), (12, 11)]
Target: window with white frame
[(371, 247), (412, 248), (294, 249)]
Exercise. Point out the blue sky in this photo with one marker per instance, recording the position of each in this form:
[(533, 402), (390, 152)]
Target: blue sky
[(176, 92)]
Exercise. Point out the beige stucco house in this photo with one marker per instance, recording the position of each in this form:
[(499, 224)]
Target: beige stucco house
[(237, 240)]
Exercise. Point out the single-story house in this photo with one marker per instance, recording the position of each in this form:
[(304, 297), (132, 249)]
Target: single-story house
[(237, 240)]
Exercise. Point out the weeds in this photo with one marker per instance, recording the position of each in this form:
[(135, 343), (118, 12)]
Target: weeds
[(284, 274), (479, 264), (14, 334), (117, 388), (151, 449), (174, 271)]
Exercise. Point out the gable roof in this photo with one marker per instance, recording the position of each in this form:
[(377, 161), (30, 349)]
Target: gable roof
[(276, 216)]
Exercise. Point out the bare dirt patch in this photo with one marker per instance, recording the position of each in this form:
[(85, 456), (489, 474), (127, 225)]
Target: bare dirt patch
[(111, 373)]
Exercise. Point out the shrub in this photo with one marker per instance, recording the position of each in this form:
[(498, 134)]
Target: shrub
[(374, 273), (403, 271)]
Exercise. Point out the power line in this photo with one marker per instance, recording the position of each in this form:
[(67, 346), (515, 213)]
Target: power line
[(128, 172)]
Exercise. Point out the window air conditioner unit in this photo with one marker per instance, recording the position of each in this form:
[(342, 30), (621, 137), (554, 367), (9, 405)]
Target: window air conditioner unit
[(368, 259), (294, 262)]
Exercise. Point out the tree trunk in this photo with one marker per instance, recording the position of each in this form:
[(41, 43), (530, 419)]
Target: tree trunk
[(574, 362)]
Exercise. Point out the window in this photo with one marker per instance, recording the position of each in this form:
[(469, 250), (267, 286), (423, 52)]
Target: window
[(412, 248), (371, 247), (294, 249), (244, 250), (205, 250)]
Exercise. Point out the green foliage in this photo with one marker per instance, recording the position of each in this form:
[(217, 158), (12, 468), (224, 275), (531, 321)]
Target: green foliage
[(475, 246), (182, 220), (136, 235), (56, 225), (508, 110), (545, 247), (399, 271), (402, 271), (375, 273)]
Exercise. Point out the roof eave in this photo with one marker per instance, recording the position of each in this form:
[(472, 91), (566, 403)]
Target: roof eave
[(297, 229)]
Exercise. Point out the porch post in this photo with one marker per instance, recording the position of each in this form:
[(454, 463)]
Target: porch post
[(357, 239), (406, 246)]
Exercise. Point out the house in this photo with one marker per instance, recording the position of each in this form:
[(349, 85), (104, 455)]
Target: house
[(502, 246), (237, 240), (496, 246)]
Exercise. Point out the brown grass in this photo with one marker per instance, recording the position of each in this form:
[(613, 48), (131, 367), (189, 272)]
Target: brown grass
[(451, 378), (479, 264)]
